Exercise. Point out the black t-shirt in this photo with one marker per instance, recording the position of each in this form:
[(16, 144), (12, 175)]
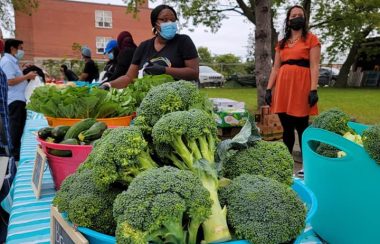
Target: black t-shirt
[(70, 75), (177, 50), (92, 70), (124, 60)]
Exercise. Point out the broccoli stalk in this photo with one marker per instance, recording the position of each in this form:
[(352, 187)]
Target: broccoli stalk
[(187, 138)]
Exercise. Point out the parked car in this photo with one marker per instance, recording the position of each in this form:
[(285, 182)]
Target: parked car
[(243, 79), (327, 77), (209, 77)]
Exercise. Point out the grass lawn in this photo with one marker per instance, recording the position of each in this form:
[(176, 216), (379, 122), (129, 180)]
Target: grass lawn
[(362, 104)]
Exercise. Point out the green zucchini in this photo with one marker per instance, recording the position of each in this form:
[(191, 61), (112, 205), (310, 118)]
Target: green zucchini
[(64, 153), (59, 132), (77, 128), (44, 133), (95, 132)]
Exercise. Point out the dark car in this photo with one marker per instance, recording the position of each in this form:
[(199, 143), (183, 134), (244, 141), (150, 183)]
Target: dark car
[(327, 77), (243, 79)]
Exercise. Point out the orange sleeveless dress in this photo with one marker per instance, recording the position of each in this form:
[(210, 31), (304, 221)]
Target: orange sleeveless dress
[(293, 82)]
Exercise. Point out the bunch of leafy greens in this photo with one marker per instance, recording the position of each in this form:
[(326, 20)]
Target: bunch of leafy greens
[(80, 102)]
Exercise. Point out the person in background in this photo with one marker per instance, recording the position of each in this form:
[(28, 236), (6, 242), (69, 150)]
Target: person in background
[(90, 71), (112, 53), (292, 86), (68, 74), (17, 83), (166, 53)]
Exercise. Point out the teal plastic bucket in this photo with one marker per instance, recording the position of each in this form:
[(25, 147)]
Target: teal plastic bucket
[(303, 192), (347, 189)]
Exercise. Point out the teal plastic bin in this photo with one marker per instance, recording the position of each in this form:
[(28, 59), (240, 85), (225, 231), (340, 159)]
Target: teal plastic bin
[(303, 192), (347, 189)]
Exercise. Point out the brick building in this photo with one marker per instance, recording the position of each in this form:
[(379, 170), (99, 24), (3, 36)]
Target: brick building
[(56, 25)]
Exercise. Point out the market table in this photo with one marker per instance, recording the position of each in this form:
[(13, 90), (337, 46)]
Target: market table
[(30, 218)]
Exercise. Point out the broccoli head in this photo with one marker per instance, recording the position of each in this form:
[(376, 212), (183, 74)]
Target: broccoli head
[(120, 155), (333, 120), (327, 150), (85, 204), (157, 204), (262, 210), (166, 98), (269, 159), (371, 142), (186, 139)]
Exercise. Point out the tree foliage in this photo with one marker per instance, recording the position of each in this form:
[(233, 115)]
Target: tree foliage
[(6, 13), (205, 55)]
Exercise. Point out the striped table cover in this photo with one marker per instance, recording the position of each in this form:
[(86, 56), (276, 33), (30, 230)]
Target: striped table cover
[(30, 218)]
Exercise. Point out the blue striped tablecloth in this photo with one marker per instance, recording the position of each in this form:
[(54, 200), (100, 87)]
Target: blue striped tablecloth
[(30, 218)]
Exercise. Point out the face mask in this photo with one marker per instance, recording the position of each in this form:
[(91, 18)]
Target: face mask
[(110, 56), (297, 23), (20, 54), (168, 30)]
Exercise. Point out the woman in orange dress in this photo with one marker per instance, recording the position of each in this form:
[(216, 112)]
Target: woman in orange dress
[(292, 85)]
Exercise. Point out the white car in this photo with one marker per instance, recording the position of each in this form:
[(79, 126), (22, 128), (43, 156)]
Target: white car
[(209, 77)]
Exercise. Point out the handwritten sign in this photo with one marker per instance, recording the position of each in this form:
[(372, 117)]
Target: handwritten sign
[(61, 232), (38, 172)]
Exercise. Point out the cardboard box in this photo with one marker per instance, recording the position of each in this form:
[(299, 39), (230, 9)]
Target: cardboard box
[(230, 119)]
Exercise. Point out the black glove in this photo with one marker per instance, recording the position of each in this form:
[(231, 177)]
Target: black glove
[(105, 86), (313, 98), (155, 69), (268, 96)]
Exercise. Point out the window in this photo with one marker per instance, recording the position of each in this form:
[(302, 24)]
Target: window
[(103, 19), (101, 43)]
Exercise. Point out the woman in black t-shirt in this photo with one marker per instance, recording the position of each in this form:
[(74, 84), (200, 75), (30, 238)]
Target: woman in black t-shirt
[(166, 53)]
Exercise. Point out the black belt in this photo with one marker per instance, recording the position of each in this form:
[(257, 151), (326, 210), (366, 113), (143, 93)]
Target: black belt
[(299, 62)]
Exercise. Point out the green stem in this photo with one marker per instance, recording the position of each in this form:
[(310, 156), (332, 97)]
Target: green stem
[(211, 145), (181, 149), (175, 233), (178, 163), (215, 228), (193, 231), (146, 161), (205, 149), (194, 149)]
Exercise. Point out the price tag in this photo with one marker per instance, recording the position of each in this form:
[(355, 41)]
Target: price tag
[(38, 172), (61, 232)]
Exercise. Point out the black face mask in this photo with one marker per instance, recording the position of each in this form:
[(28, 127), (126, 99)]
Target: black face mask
[(297, 23)]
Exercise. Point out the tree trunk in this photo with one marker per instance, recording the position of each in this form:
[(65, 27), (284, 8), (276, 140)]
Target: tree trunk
[(263, 47), (274, 36), (306, 4), (345, 70), (352, 55)]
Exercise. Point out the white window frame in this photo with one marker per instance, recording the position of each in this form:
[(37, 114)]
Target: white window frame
[(100, 43), (103, 19)]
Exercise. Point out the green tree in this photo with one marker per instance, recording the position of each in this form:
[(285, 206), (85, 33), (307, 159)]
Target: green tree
[(346, 24), (229, 64), (24, 6), (205, 55)]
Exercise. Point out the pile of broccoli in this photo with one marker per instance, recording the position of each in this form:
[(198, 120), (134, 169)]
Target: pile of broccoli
[(262, 210), (164, 205), (269, 159), (86, 205), (160, 178)]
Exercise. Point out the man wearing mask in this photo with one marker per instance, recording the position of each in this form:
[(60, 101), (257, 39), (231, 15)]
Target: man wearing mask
[(90, 71), (17, 82)]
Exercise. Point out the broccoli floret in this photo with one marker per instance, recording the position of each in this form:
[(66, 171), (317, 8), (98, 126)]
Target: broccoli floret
[(187, 139), (119, 156), (85, 204), (262, 210), (166, 98), (327, 150), (333, 120), (371, 142), (163, 205), (269, 159)]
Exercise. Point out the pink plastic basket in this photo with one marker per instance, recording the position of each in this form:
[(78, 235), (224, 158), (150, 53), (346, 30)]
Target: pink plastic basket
[(61, 167)]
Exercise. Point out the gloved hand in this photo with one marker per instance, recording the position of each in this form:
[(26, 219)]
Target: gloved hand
[(313, 98), (155, 69), (105, 86), (268, 96)]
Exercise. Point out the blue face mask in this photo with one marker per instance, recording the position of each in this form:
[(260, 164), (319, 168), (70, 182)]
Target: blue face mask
[(110, 56), (20, 54), (168, 30)]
